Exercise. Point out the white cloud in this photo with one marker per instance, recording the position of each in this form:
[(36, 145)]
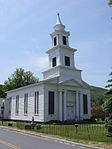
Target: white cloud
[(34, 60)]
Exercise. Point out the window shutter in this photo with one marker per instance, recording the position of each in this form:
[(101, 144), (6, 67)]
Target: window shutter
[(51, 102), (85, 104)]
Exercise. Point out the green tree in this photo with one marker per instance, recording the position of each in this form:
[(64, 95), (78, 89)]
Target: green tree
[(110, 2), (2, 92), (108, 107), (19, 78), (98, 112)]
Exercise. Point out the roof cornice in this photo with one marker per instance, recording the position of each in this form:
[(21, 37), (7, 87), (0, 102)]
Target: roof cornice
[(24, 87), (60, 66), (61, 46)]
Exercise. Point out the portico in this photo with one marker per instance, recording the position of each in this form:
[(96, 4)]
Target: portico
[(71, 103)]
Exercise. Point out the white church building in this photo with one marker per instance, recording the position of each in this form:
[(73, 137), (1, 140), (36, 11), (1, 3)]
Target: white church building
[(62, 95)]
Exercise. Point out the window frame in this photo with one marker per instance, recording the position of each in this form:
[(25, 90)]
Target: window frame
[(36, 103), (10, 104), (17, 105), (26, 104)]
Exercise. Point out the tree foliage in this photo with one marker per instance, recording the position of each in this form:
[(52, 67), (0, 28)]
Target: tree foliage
[(2, 92), (19, 78), (98, 112), (97, 95), (110, 2), (108, 107)]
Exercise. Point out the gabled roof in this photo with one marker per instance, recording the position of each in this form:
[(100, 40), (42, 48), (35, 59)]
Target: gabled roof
[(55, 80), (35, 84), (24, 87)]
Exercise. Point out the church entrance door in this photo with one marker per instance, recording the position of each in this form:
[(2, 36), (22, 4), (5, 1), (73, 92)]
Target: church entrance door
[(70, 112)]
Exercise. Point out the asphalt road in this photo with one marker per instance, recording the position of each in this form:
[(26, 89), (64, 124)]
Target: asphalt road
[(10, 139)]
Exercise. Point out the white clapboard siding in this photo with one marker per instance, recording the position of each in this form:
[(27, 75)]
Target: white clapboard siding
[(31, 92)]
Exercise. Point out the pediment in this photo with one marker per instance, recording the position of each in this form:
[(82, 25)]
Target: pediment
[(75, 83), (71, 83)]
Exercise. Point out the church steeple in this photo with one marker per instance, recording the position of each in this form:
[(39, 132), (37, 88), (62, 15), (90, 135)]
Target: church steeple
[(59, 36), (61, 55)]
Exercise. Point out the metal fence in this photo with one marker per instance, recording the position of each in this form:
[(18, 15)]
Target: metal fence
[(87, 132)]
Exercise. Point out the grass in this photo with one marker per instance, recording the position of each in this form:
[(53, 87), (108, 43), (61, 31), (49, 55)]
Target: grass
[(93, 134), (89, 132)]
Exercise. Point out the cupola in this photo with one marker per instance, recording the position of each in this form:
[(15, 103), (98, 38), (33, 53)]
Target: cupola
[(60, 36)]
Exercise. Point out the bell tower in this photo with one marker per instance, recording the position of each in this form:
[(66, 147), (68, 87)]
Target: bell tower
[(61, 55)]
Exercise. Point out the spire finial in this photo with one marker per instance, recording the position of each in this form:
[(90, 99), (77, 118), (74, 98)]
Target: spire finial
[(58, 19)]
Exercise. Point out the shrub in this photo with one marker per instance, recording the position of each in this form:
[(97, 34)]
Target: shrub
[(98, 112)]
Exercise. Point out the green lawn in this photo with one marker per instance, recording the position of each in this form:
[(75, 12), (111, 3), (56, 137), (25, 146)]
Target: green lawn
[(88, 132)]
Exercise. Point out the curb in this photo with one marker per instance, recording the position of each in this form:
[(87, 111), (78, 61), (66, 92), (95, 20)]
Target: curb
[(51, 138)]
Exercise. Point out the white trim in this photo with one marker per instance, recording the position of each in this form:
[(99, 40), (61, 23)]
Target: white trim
[(61, 46)]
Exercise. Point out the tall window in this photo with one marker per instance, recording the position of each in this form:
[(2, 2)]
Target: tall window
[(55, 41), (85, 104), (36, 103), (10, 101), (67, 61), (54, 62), (64, 40), (25, 104), (17, 104), (51, 102)]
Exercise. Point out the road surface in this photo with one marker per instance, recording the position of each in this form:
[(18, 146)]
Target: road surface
[(10, 139)]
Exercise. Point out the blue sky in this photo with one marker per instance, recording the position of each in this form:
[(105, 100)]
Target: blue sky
[(25, 26)]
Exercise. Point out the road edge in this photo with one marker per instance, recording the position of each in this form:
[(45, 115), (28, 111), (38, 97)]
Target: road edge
[(60, 140)]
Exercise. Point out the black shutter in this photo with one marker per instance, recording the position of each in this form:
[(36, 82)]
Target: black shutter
[(85, 104), (51, 102)]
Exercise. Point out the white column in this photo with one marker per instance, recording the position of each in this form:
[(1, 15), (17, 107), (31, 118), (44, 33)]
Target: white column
[(58, 39), (60, 105), (81, 106), (65, 98), (77, 106)]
